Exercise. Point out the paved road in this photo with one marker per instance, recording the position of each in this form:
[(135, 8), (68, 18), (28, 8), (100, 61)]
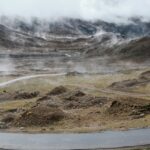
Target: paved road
[(109, 139)]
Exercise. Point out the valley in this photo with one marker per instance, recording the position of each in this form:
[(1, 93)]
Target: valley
[(76, 102), (82, 79)]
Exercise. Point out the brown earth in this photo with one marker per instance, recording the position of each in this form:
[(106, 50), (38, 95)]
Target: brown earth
[(142, 80), (39, 116), (74, 73), (136, 50), (70, 108), (5, 96), (132, 108), (26, 95), (58, 90), (71, 99)]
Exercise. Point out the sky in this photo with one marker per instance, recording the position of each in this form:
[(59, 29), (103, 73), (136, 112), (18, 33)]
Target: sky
[(107, 10)]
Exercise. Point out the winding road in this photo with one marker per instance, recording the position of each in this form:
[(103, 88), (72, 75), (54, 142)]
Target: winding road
[(3, 84), (107, 91)]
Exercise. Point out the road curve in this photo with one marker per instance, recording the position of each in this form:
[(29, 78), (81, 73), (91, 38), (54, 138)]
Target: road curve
[(3, 84), (109, 91), (107, 140)]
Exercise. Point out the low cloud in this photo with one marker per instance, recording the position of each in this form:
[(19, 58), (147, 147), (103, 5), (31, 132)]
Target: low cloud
[(107, 10)]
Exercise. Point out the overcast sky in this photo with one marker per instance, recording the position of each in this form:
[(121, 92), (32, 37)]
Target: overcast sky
[(108, 10)]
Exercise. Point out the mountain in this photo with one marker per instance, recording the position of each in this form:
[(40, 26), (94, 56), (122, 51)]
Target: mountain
[(72, 36), (137, 49), (76, 27), (39, 27)]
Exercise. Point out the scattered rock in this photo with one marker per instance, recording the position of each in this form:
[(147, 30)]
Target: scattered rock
[(119, 107), (72, 95), (74, 73), (39, 116), (8, 118), (143, 79), (124, 84), (26, 95), (53, 107), (51, 101), (142, 115), (58, 90), (73, 99), (85, 102)]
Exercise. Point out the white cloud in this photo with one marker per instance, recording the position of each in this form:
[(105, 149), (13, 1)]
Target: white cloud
[(108, 10), (115, 10), (42, 8)]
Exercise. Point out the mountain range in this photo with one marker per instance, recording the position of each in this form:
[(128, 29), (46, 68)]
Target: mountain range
[(75, 36)]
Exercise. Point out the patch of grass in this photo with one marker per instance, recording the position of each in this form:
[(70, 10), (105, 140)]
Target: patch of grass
[(85, 120), (142, 89), (5, 106), (45, 84)]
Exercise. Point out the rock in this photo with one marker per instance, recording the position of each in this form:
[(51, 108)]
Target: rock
[(39, 116), (75, 73), (143, 79), (21, 128), (26, 95), (72, 95), (58, 90), (142, 115)]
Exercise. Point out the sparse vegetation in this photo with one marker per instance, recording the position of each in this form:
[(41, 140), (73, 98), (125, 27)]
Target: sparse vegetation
[(81, 104)]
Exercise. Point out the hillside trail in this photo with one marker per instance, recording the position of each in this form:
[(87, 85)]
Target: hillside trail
[(81, 86)]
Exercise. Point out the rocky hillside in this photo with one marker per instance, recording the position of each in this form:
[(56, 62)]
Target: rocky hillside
[(75, 36), (136, 50), (76, 27)]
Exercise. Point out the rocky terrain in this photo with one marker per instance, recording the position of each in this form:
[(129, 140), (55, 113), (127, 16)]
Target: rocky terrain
[(101, 75), (75, 107), (20, 38), (142, 80)]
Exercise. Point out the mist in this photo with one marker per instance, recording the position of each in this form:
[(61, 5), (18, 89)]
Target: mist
[(117, 11)]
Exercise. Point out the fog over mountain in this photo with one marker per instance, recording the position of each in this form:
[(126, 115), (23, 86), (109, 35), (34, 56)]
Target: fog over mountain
[(107, 10), (74, 66), (76, 27)]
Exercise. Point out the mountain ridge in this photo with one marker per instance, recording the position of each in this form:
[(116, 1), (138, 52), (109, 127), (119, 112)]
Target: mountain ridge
[(74, 35)]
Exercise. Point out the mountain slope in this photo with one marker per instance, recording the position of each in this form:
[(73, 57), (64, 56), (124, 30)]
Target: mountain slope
[(76, 27), (72, 36), (136, 49)]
